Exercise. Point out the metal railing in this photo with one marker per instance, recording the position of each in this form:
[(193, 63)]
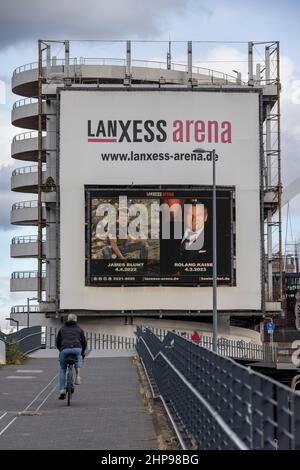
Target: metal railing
[(24, 309), (236, 349), (101, 61), (25, 204), (213, 75), (96, 340), (25, 67), (162, 65), (24, 102), (28, 339), (26, 274), (28, 169), (25, 135), (214, 401), (34, 65), (26, 239)]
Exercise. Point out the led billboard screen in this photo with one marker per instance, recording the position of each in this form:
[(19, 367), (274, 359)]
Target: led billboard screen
[(158, 236)]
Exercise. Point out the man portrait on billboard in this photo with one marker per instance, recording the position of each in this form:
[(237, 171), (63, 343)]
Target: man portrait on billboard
[(195, 216), (120, 247)]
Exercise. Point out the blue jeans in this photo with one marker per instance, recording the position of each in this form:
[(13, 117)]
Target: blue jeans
[(63, 365)]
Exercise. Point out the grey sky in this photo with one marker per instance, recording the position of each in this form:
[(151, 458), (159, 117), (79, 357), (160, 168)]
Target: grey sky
[(7, 197), (61, 19)]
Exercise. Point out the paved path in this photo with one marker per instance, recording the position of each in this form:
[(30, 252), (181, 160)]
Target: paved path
[(106, 413)]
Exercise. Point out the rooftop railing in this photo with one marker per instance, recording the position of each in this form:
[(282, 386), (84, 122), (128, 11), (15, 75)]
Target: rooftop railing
[(24, 309), (26, 135), (237, 349), (213, 75), (26, 274), (26, 239), (27, 169), (24, 102), (25, 205)]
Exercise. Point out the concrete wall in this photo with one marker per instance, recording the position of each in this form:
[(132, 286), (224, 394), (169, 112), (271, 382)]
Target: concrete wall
[(24, 250), (25, 285), (117, 326), (2, 352)]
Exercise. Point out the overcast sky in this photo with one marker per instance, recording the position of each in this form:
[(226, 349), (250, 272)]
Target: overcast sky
[(23, 23)]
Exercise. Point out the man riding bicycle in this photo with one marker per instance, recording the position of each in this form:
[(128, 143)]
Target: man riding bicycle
[(70, 340)]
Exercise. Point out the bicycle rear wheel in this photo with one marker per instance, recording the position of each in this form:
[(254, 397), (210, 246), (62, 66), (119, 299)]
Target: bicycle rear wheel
[(69, 385)]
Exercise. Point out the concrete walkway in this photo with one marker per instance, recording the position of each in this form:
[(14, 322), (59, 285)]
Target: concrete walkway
[(106, 413)]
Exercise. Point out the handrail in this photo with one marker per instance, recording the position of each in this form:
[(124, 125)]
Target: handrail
[(215, 399), (28, 169), (25, 67), (26, 135), (25, 204), (26, 239), (34, 65), (238, 349), (28, 339), (24, 308), (26, 274), (24, 102), (195, 393), (212, 74), (101, 61)]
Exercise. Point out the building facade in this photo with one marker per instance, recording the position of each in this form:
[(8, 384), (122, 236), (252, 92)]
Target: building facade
[(40, 84)]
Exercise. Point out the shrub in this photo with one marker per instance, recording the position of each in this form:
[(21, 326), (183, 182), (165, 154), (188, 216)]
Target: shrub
[(13, 354)]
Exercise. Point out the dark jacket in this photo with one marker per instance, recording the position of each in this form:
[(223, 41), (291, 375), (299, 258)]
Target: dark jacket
[(71, 336)]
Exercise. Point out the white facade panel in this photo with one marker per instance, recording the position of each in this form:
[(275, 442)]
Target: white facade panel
[(237, 144)]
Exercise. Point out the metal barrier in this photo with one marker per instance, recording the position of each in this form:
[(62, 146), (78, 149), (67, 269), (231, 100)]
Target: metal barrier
[(213, 76), (24, 102), (28, 339), (25, 135), (216, 402), (34, 65), (28, 169), (240, 350), (26, 274), (95, 340), (24, 309), (26, 239), (25, 204)]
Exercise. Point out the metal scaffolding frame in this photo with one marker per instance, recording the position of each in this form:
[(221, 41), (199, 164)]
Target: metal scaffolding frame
[(41, 48)]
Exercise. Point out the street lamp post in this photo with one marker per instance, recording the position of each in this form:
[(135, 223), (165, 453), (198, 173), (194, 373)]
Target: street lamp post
[(28, 308), (212, 153), (16, 321)]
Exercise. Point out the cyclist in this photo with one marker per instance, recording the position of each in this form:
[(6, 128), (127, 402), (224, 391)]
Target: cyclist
[(70, 340)]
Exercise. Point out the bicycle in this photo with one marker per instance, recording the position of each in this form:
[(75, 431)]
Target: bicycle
[(70, 376)]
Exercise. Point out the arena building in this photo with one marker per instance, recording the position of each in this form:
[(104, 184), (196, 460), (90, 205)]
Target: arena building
[(98, 130)]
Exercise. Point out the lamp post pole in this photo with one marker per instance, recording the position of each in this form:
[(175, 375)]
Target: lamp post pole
[(215, 313), (213, 155), (16, 321)]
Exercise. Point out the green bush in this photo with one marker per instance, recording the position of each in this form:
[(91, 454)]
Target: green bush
[(13, 354)]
